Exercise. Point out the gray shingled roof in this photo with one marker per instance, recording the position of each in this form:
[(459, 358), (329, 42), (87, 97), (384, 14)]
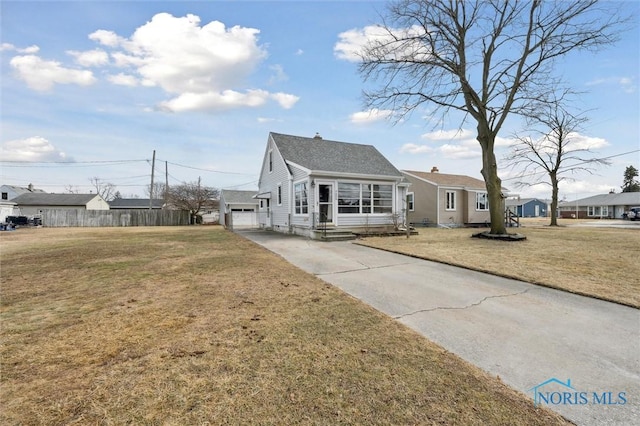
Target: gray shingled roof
[(239, 197), (331, 156), (622, 199), (43, 199), (134, 203)]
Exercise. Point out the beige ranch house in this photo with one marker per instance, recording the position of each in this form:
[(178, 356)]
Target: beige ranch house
[(440, 199)]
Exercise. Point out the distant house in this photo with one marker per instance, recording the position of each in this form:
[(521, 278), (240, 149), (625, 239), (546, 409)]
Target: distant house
[(135, 204), (6, 209), (527, 207), (311, 183), (9, 192), (439, 199), (32, 204), (600, 206), (238, 208)]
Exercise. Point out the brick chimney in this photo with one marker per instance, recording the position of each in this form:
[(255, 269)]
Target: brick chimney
[(434, 169)]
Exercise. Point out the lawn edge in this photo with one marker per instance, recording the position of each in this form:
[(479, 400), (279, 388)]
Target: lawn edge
[(513, 277)]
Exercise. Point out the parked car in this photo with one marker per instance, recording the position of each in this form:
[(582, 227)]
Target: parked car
[(633, 213)]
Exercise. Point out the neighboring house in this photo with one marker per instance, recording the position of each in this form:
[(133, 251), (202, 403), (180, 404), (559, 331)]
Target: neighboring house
[(135, 204), (439, 199), (527, 207), (308, 184), (600, 206), (32, 204), (6, 209), (9, 192), (238, 208)]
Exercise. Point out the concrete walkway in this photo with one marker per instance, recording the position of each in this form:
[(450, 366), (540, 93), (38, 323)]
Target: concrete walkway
[(525, 334)]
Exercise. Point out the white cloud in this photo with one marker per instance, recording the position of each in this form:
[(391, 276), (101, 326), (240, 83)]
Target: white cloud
[(299, 52), (278, 74), (213, 101), (35, 148), (578, 141), (351, 43), (626, 84), (90, 58), (459, 151), (583, 188), (122, 79), (285, 100), (412, 148), (375, 114), (449, 135), (205, 67), (40, 74), (107, 38), (27, 50)]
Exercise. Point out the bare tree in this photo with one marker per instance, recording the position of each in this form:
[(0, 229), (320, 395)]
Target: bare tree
[(553, 150), (191, 196), (71, 189), (104, 189), (487, 59), (158, 190)]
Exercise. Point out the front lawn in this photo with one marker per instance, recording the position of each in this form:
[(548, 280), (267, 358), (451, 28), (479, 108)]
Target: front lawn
[(597, 262), (196, 325)]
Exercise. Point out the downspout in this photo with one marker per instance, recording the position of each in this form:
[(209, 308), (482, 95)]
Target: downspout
[(291, 202)]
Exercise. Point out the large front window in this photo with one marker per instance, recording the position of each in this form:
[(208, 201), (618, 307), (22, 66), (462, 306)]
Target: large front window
[(364, 198), (301, 198), (598, 211)]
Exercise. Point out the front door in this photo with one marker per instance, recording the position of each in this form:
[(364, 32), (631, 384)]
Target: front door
[(325, 202)]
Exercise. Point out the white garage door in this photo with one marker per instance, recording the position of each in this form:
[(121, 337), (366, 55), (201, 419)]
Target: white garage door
[(244, 219)]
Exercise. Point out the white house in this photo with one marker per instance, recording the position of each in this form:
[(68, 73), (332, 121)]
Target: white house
[(9, 192), (32, 204), (6, 209), (600, 206), (312, 184)]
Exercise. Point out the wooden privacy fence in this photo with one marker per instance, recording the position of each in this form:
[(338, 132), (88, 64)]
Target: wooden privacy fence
[(55, 218)]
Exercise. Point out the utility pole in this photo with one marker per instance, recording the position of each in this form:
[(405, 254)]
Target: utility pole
[(166, 182), (153, 165)]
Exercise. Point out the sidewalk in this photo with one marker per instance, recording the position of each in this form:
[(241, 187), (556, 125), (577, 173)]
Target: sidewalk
[(525, 334)]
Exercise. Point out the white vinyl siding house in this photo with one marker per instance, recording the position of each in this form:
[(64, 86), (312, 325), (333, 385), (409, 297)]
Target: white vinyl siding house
[(33, 204), (310, 182)]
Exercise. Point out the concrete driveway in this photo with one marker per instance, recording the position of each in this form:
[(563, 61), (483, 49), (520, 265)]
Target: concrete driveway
[(525, 334)]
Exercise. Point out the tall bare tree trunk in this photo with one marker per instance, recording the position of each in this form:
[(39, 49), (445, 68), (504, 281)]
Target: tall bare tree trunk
[(554, 200), (493, 182)]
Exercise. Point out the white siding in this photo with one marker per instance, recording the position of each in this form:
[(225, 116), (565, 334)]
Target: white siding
[(269, 182), (97, 203)]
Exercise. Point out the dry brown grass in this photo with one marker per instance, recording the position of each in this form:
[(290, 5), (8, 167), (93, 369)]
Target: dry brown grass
[(597, 262), (196, 325)]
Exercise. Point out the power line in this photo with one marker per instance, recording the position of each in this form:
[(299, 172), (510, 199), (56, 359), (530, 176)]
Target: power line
[(209, 170)]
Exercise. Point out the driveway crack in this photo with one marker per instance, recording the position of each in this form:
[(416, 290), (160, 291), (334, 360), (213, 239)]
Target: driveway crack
[(365, 267), (454, 308)]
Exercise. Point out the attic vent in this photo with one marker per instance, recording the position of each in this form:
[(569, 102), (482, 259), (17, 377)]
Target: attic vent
[(317, 136), (434, 170)]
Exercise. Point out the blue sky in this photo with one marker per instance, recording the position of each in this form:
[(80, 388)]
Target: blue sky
[(100, 85)]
